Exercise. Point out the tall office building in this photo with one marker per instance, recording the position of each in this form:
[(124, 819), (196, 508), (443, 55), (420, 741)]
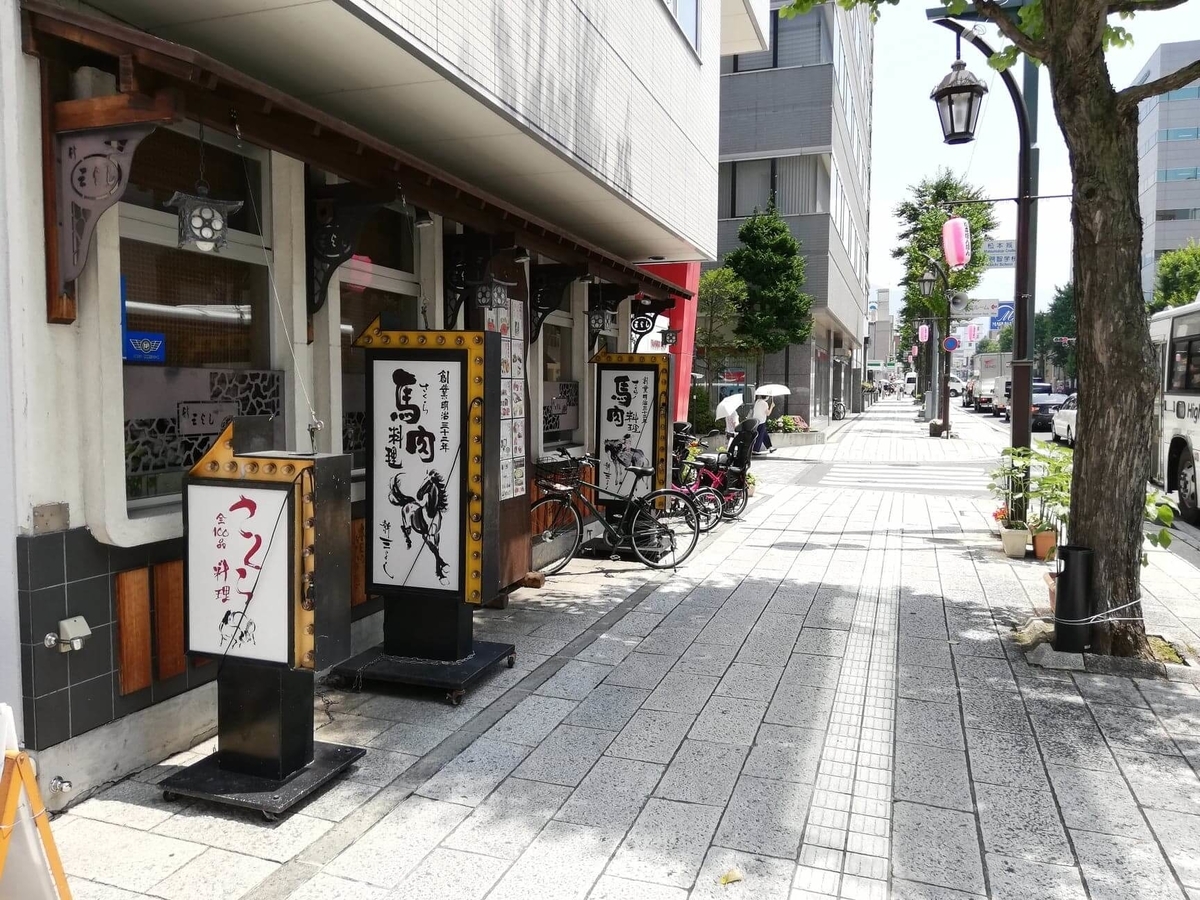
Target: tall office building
[(1169, 160), (796, 127), (880, 334)]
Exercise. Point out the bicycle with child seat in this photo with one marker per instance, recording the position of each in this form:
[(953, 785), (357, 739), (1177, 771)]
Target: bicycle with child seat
[(724, 471), (660, 527)]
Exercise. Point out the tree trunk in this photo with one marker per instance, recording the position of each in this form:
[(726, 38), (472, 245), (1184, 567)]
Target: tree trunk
[(1115, 358)]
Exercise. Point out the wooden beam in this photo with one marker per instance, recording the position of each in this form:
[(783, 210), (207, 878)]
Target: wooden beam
[(133, 629), (60, 305), (168, 619), (114, 110)]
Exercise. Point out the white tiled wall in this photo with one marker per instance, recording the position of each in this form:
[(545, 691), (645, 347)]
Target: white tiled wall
[(611, 83)]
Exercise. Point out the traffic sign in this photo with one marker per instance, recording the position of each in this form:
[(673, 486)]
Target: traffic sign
[(950, 344), (1000, 254)]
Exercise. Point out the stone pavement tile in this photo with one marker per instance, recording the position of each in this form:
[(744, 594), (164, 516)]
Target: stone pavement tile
[(931, 724), (1077, 748), (765, 816), (994, 711), (563, 863), (855, 887), (812, 671), (938, 847), (912, 890), (574, 681), (349, 728), (566, 756), (169, 766), (243, 831), (984, 673), (836, 613), (511, 817), (661, 602), (702, 772), (330, 887), (668, 641), (1097, 801), (811, 881), (651, 736), (1109, 689), (763, 877), (1189, 746), (1176, 704), (607, 650), (1117, 868), (398, 842), (415, 740), (215, 875), (453, 875), (531, 721), (612, 793), (689, 617), (1004, 758), (933, 776), (666, 844), (417, 711), (82, 889), (922, 618), (706, 659), (380, 767), (134, 804), (1021, 879), (1021, 823), (975, 639), (822, 642), (637, 624), (800, 704), (608, 707), (122, 857), (1179, 835), (929, 652), (771, 640), (938, 685), (1134, 729), (1161, 782), (641, 670), (474, 773), (729, 720), (338, 800), (610, 888), (750, 682), (681, 692), (786, 753)]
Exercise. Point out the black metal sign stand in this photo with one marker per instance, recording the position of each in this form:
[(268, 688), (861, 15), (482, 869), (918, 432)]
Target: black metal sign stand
[(266, 757), (427, 629)]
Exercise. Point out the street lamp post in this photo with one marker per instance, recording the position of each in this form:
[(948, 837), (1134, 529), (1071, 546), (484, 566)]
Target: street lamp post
[(958, 99)]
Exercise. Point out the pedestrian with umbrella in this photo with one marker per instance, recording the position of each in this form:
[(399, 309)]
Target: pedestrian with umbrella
[(727, 409), (764, 405)]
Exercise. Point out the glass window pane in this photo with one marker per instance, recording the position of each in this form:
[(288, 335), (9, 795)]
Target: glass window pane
[(799, 39), (1179, 367), (1193, 381), (557, 369), (724, 174), (688, 14), (753, 186), (796, 188)]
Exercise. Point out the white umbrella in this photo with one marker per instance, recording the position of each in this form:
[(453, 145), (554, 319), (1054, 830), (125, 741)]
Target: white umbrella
[(771, 390), (729, 405)]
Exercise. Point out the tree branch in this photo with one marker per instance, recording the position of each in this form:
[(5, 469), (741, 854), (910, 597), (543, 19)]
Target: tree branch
[(1132, 96), (1137, 6), (996, 14)]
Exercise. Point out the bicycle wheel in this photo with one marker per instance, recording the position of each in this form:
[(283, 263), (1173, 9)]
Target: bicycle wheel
[(555, 522), (710, 505), (664, 529), (734, 502), (687, 473)]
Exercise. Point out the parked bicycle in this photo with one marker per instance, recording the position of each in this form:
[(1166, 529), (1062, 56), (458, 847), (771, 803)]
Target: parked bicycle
[(839, 410), (725, 471), (709, 502), (661, 527)]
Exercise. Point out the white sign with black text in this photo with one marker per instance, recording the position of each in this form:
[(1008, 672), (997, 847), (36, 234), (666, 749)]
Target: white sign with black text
[(627, 399)]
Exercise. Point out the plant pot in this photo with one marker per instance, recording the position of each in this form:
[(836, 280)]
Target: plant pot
[(1043, 543), (750, 491), (1052, 584), (1015, 540)]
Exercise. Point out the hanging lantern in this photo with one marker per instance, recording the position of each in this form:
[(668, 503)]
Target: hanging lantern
[(670, 336), (923, 333), (492, 295), (915, 349), (959, 98), (956, 242), (203, 220), (972, 333)]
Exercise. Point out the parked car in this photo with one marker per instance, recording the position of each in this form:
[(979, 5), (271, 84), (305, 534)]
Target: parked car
[(1062, 425), (1040, 389), (1043, 410), (983, 397), (968, 396), (910, 383), (1001, 391), (957, 386)]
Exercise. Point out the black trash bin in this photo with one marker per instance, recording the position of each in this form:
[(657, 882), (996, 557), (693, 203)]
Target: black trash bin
[(1074, 600)]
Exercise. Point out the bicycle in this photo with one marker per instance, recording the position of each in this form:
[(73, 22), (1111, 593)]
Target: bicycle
[(725, 472), (709, 502), (839, 410), (661, 527)]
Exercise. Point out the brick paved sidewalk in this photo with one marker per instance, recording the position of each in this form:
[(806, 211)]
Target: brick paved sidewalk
[(826, 698)]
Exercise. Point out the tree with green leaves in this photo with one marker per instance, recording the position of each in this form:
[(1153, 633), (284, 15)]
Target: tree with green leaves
[(1042, 344), (1117, 364), (775, 311), (1178, 279), (718, 305), (1004, 339), (986, 345), (1060, 320)]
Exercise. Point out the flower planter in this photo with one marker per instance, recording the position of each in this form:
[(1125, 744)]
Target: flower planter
[(1052, 584), (750, 491), (1015, 540), (1043, 543)]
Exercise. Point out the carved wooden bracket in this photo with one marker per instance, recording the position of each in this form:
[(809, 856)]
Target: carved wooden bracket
[(466, 260), (606, 299), (335, 218), (546, 286)]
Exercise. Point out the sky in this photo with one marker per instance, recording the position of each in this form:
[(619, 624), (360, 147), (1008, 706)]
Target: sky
[(911, 56)]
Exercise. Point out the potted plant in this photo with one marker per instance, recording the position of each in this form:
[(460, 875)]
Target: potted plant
[(751, 481), (1008, 485), (1049, 496)]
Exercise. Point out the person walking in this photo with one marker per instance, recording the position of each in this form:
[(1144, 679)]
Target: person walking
[(763, 407), (731, 426)]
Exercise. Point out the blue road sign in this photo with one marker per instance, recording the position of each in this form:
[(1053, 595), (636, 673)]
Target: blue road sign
[(950, 344)]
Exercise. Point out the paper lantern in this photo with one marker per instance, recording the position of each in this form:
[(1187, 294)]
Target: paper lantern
[(972, 333), (956, 242), (923, 333)]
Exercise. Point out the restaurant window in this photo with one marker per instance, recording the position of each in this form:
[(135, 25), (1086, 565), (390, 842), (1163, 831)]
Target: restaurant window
[(196, 327), (560, 389)]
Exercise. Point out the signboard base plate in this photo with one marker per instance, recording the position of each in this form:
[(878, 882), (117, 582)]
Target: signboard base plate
[(206, 780), (452, 677)]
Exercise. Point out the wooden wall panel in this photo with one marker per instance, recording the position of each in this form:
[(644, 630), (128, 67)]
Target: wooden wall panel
[(358, 562), (133, 629), (168, 619)]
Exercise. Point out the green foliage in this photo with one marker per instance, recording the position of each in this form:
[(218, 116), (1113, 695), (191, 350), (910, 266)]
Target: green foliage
[(1178, 279), (1049, 487), (1061, 323), (786, 425), (775, 311), (717, 303), (1004, 340), (987, 345), (700, 412), (1009, 484)]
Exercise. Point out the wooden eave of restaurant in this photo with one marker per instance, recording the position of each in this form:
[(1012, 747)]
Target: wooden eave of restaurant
[(160, 82)]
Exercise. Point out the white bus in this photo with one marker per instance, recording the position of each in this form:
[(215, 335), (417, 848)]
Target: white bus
[(1176, 336)]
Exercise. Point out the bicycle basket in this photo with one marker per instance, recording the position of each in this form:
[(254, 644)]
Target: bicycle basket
[(557, 474)]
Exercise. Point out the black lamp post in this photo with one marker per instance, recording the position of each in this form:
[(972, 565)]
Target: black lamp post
[(926, 282), (958, 98)]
